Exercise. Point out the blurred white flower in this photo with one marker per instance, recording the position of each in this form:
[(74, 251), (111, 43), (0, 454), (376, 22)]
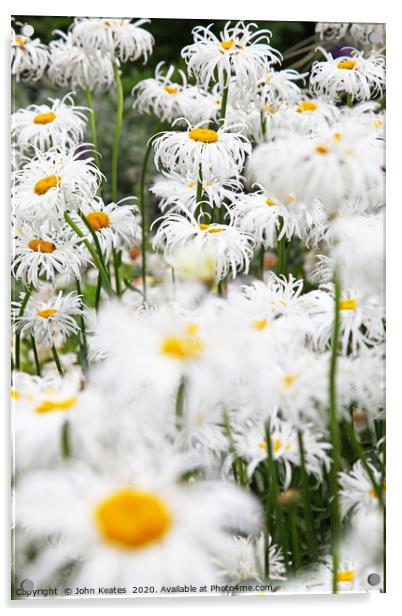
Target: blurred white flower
[(119, 37), (358, 496), (29, 57), (74, 66)]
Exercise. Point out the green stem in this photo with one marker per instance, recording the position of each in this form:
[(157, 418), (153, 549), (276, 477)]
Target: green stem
[(144, 222), (92, 125), (98, 292), (239, 472), (65, 440), (335, 440), (118, 128), (36, 356), (27, 295), (308, 512), (198, 194), (84, 345), (262, 255), (180, 399), (57, 361), (116, 265), (224, 103), (92, 251), (282, 257), (274, 493), (349, 100)]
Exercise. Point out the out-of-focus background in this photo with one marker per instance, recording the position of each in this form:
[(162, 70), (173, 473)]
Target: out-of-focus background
[(171, 35)]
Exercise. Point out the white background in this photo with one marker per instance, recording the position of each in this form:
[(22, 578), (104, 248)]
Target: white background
[(289, 10)]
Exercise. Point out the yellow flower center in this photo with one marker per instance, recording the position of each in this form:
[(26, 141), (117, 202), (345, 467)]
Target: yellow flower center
[(306, 106), (290, 198), (51, 181), (41, 246), (289, 379), (205, 135), (377, 123), (20, 41), (348, 304), (44, 118), (46, 313), (48, 406), (226, 45), (270, 202), (347, 64), (132, 519), (98, 220), (171, 89), (210, 229), (182, 347), (321, 149), (337, 136), (277, 444), (192, 329), (373, 492), (345, 576), (260, 324), (15, 394)]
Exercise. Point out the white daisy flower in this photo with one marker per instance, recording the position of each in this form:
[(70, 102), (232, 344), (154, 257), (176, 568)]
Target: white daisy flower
[(53, 182), (250, 442), (238, 52), (215, 154), (306, 116), (244, 559), (74, 66), (41, 408), (357, 495), (29, 57), (359, 77), (361, 323), (59, 124), (175, 190), (114, 223), (279, 87), (233, 250), (45, 253), (127, 524), (119, 37), (46, 319), (261, 216)]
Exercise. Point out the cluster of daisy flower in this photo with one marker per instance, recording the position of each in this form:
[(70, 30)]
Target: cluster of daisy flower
[(198, 399)]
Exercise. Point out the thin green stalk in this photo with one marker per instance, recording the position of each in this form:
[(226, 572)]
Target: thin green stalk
[(267, 513), (36, 356), (92, 125), (116, 266), (335, 440), (98, 292), (65, 440), (294, 534), (198, 193), (224, 103), (27, 295), (300, 44), (308, 512), (118, 128), (93, 253), (180, 399), (239, 472), (282, 260), (144, 222), (274, 493), (359, 451), (349, 99), (84, 345), (262, 255), (57, 361)]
